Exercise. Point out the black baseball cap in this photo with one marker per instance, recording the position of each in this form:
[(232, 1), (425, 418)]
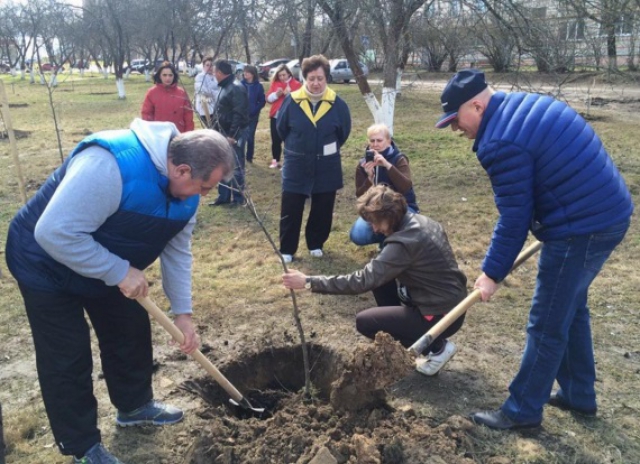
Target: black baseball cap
[(460, 89)]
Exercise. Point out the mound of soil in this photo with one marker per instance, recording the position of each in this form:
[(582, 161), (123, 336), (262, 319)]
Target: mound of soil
[(372, 367), (318, 434), (355, 426)]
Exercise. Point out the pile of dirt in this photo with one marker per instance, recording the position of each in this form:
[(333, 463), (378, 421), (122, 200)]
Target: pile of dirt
[(373, 367), (318, 434), (356, 425)]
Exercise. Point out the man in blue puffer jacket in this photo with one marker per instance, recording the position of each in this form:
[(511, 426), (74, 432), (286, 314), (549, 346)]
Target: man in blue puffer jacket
[(550, 174), (121, 199)]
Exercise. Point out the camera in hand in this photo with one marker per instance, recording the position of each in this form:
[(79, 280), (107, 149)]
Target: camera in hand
[(368, 155)]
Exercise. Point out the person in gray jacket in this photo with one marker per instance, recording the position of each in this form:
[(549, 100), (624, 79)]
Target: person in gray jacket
[(79, 248), (418, 256)]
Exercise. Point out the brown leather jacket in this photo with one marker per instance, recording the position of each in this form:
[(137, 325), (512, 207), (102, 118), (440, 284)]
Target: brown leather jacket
[(419, 257)]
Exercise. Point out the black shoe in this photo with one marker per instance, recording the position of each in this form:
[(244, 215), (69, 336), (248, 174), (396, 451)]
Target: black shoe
[(219, 202), (498, 420), (559, 402)]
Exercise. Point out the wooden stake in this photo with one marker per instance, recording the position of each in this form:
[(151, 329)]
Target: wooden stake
[(2, 446), (6, 117)]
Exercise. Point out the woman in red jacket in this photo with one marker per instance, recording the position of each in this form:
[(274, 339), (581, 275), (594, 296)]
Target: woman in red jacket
[(165, 101), (283, 84)]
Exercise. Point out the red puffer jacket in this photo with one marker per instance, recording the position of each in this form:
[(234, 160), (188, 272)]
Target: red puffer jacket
[(168, 104)]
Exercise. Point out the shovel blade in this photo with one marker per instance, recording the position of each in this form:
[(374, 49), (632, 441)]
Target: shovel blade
[(244, 405)]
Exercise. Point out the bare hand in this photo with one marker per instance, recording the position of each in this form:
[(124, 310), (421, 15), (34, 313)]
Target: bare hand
[(191, 340), (279, 92), (232, 141), (134, 284), (379, 160), (486, 285), (368, 167), (294, 279)]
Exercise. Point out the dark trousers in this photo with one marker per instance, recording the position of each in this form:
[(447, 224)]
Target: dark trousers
[(203, 120), (318, 224), (404, 324), (251, 137), (235, 187), (276, 141), (63, 359)]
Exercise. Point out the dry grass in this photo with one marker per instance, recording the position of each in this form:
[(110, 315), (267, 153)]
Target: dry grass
[(241, 305)]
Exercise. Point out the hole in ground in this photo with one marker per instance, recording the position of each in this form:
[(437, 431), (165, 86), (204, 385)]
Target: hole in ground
[(266, 378)]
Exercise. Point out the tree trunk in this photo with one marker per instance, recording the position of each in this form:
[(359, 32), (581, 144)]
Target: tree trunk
[(120, 86), (611, 48), (2, 446)]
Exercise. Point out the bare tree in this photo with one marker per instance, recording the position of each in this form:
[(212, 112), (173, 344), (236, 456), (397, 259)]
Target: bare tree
[(112, 23), (441, 33), (392, 19), (498, 43), (612, 16)]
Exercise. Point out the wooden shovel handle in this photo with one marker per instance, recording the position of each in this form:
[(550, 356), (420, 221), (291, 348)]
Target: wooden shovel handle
[(427, 339), (160, 317)]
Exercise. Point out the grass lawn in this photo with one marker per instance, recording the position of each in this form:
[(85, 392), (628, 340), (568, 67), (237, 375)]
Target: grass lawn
[(241, 304)]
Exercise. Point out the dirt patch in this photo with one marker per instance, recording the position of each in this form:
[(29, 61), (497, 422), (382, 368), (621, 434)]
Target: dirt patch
[(299, 433), (347, 421)]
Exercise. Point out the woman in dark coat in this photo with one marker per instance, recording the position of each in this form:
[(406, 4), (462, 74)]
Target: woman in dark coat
[(314, 123), (255, 93)]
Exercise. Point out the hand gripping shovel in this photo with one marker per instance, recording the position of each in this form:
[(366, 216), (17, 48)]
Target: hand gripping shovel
[(462, 307), (236, 397)]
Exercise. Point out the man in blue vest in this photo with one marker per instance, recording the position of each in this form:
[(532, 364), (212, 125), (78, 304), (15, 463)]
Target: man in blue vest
[(550, 174), (120, 200)]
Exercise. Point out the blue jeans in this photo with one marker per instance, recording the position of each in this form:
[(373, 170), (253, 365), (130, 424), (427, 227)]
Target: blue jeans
[(362, 234), (251, 138), (559, 344), (237, 183)]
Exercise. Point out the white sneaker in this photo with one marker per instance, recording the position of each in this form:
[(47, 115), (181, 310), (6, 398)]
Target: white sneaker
[(287, 258), (316, 253), (274, 164), (432, 363)]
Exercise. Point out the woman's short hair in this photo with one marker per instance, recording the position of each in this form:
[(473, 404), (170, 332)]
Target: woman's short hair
[(315, 62), (279, 69), (165, 65), (381, 203), (379, 129), (253, 71), (207, 58)]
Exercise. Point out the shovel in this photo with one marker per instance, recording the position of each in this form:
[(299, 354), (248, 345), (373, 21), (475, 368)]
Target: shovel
[(237, 399), (462, 307)]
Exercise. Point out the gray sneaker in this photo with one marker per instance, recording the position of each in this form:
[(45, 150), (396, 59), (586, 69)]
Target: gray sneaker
[(152, 413), (97, 454)]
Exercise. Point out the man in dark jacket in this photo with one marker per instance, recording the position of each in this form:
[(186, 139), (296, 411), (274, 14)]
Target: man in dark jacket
[(550, 174), (230, 118), (81, 244)]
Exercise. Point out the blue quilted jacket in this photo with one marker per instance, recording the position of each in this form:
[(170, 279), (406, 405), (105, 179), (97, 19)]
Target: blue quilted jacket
[(550, 173), (147, 219)]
